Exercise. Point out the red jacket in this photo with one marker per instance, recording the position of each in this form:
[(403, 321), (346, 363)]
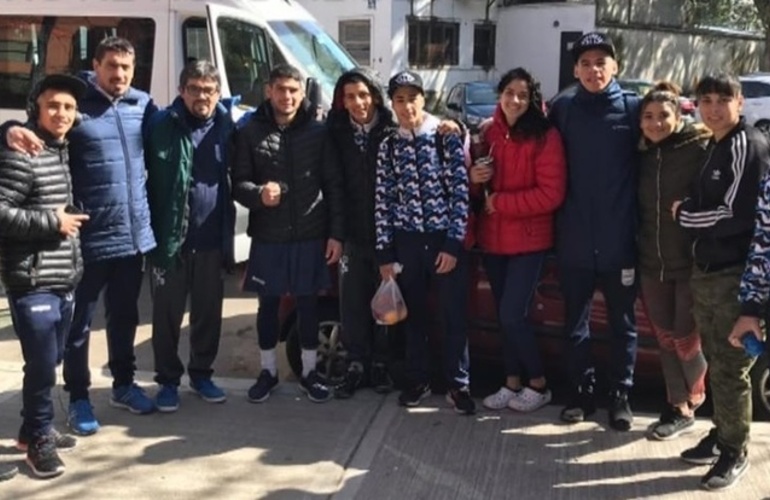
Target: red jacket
[(529, 185)]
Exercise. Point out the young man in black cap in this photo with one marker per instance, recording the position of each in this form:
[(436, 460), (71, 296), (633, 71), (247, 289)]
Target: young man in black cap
[(421, 214), (40, 261), (596, 227)]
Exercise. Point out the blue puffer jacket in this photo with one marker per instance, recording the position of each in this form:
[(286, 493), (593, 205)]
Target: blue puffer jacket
[(596, 227), (108, 174)]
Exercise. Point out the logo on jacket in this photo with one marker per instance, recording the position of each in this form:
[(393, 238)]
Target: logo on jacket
[(716, 174)]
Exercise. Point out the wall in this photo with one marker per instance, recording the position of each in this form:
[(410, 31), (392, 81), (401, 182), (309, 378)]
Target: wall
[(528, 36)]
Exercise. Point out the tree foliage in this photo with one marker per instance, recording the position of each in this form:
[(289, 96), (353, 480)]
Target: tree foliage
[(741, 15)]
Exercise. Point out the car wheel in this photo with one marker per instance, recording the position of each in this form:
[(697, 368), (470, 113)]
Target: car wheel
[(332, 355), (763, 125), (760, 387)]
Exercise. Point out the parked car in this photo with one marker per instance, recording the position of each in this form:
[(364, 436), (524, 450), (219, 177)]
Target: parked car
[(485, 339), (471, 102), (756, 104)]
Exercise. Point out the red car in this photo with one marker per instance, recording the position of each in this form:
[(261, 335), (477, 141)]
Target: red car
[(486, 342)]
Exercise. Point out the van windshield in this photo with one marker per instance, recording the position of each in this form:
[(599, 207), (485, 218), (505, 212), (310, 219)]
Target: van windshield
[(316, 51)]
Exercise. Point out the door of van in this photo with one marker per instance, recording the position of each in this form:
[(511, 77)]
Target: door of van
[(243, 51)]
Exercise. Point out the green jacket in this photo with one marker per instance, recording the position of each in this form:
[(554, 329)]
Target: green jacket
[(666, 172), (169, 158)]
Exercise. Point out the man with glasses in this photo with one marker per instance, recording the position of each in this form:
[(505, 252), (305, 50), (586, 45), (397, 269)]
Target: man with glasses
[(193, 218)]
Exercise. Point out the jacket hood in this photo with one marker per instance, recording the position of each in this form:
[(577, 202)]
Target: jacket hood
[(338, 111), (690, 132)]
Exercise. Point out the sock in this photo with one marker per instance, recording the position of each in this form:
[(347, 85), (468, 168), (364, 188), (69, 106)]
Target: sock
[(268, 361), (309, 357)]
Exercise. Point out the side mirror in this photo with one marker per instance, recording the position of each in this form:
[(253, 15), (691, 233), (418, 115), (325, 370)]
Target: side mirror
[(315, 97)]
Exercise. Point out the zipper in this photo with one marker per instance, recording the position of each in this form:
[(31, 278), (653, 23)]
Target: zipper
[(659, 214), (712, 147), (290, 165), (33, 268), (127, 158)]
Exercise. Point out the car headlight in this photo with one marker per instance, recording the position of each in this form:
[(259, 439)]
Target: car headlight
[(473, 119)]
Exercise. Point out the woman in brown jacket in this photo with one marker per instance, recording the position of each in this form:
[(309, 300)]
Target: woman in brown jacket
[(672, 153)]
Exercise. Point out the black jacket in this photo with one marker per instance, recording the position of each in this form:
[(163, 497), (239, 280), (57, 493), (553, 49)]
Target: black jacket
[(300, 158), (667, 170), (358, 167), (721, 208), (33, 254)]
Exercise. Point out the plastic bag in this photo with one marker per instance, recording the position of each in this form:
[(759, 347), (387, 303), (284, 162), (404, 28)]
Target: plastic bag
[(388, 306)]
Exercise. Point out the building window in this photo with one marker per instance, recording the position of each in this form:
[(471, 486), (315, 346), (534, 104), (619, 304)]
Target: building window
[(433, 43), (484, 36), (356, 36)]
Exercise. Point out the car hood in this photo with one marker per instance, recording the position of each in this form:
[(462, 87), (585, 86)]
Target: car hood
[(483, 110)]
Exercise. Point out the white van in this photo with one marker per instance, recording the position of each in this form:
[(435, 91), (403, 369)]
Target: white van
[(244, 38)]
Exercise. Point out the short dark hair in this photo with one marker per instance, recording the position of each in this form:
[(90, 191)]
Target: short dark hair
[(284, 71), (663, 92), (533, 123), (199, 69), (724, 84), (113, 44)]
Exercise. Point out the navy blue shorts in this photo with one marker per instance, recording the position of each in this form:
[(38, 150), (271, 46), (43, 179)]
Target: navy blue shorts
[(287, 268)]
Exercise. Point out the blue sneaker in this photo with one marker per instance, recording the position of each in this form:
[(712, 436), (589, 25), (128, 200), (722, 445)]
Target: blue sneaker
[(81, 418), (167, 399), (207, 390), (132, 398)]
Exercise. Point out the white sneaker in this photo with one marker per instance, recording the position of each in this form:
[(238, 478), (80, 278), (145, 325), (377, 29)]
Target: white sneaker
[(529, 400), (500, 399)]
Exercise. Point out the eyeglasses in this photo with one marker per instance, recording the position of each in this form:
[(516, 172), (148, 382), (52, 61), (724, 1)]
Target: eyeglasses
[(204, 91)]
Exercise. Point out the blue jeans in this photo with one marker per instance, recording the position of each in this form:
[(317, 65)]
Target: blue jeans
[(513, 279), (619, 289), (42, 321), (417, 252), (122, 280)]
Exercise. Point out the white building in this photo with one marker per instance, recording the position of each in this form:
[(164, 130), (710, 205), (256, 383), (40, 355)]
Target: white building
[(450, 41)]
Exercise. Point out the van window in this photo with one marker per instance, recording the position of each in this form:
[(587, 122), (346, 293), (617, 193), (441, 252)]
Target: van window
[(246, 57), (34, 46), (195, 40)]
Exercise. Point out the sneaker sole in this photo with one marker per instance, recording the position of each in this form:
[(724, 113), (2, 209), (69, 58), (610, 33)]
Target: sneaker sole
[(311, 398), (80, 432), (705, 486), (167, 409), (699, 461), (117, 404), (44, 474), (23, 449), (9, 474), (213, 401), (263, 398), (657, 437), (412, 404)]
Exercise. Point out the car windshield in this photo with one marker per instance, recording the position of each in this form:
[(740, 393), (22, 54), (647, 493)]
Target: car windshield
[(481, 94), (316, 51)]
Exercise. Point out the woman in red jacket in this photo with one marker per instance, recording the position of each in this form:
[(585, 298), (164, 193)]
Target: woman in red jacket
[(524, 187)]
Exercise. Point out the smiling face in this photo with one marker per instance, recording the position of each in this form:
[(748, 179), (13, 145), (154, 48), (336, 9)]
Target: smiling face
[(359, 102), (514, 100), (56, 112), (115, 72), (659, 120), (720, 112), (285, 96), (595, 69), (409, 105), (200, 96)]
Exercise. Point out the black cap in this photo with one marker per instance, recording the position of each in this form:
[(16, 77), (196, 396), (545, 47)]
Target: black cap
[(405, 79), (60, 81), (590, 41)]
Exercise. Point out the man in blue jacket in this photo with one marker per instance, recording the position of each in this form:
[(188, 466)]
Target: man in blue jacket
[(108, 175), (597, 225), (193, 218)]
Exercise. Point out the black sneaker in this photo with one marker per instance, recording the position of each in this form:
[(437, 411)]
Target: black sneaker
[(727, 470), (43, 458), (259, 392), (670, 425), (63, 442), (461, 400), (352, 380), (379, 376), (620, 415), (414, 395), (314, 388), (582, 406), (706, 452), (8, 471)]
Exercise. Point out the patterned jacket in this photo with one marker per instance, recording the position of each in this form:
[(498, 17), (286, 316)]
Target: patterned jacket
[(416, 191), (755, 284)]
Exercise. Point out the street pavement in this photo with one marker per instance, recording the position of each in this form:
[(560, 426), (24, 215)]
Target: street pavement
[(363, 448)]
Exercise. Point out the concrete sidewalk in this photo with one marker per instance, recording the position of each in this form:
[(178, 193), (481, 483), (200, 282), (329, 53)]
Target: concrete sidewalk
[(366, 447)]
